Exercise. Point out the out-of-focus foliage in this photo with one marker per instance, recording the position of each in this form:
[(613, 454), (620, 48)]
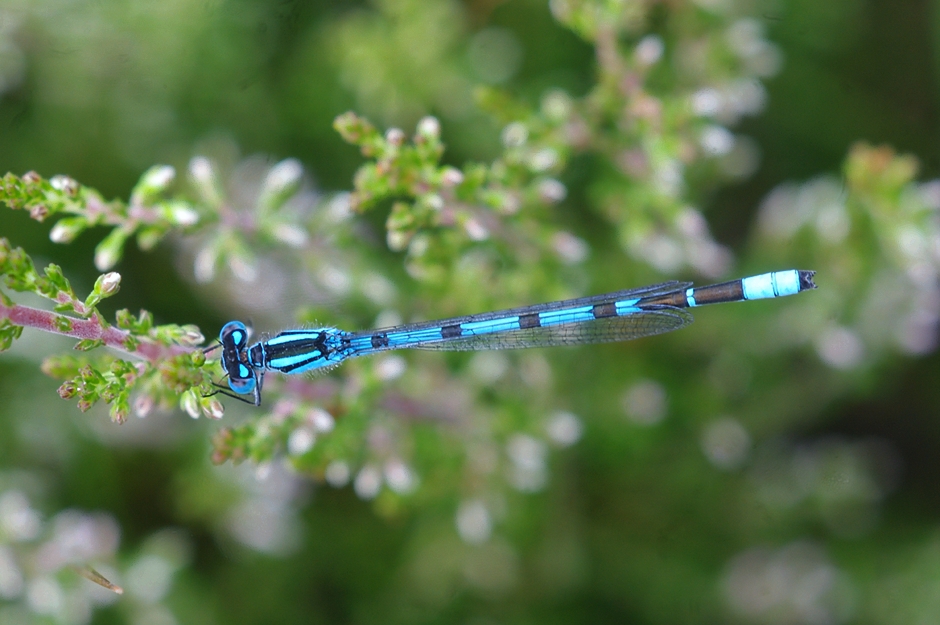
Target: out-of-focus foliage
[(771, 464)]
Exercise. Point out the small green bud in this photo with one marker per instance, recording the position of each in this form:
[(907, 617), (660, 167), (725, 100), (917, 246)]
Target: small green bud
[(119, 411), (557, 106), (148, 237), (181, 214), (105, 286), (67, 390), (649, 50), (212, 408), (419, 246), (475, 229), (515, 135), (353, 129), (139, 325), (108, 283), (65, 230), (66, 185), (90, 376), (191, 336), (123, 367), (395, 137), (39, 212), (130, 344), (451, 177), (156, 179), (188, 335), (198, 358), (190, 404), (398, 240), (152, 185), (143, 405), (429, 128), (200, 170), (433, 201), (109, 251), (124, 318), (202, 174), (551, 191), (60, 366), (543, 160), (282, 181)]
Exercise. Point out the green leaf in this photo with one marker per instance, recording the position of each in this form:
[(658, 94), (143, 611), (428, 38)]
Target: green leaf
[(55, 283), (88, 344), (139, 325), (63, 324), (9, 332)]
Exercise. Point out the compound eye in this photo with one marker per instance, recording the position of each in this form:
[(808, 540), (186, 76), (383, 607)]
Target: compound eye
[(234, 332), (242, 386)]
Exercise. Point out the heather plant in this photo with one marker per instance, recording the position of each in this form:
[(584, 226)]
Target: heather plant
[(692, 465)]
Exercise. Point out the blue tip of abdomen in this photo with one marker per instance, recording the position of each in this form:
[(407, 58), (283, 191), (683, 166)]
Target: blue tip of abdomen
[(777, 284)]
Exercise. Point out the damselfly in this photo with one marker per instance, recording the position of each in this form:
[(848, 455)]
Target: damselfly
[(618, 316)]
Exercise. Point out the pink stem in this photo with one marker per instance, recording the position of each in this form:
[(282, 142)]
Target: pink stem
[(88, 329)]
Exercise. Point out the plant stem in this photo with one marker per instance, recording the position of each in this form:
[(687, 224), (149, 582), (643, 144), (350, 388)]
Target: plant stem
[(93, 328)]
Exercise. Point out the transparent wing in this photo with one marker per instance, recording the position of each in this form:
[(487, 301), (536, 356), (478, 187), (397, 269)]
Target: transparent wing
[(617, 296), (605, 330)]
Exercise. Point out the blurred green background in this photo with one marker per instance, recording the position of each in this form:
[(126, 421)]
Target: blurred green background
[(773, 463)]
